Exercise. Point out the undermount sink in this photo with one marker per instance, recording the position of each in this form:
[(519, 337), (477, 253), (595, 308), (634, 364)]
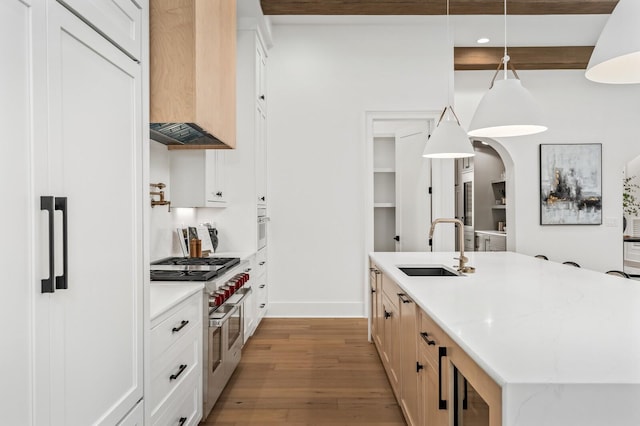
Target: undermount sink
[(429, 271)]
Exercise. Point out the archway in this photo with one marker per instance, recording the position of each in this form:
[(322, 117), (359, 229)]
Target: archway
[(494, 180)]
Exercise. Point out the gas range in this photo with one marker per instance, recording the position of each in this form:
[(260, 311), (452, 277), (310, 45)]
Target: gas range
[(191, 269)]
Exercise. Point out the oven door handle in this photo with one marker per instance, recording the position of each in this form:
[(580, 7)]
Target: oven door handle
[(218, 322)]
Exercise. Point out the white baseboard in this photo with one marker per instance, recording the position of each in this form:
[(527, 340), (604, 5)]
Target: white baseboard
[(315, 310)]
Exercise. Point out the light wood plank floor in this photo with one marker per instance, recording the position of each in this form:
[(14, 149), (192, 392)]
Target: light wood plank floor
[(297, 372)]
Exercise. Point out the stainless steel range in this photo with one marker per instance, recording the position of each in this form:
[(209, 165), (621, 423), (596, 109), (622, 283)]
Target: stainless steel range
[(226, 287)]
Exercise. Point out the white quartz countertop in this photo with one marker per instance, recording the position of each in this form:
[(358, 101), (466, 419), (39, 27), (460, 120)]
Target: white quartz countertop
[(559, 340), (164, 295), (492, 232)]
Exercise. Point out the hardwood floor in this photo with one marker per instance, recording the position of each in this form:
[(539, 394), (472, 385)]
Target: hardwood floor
[(297, 372)]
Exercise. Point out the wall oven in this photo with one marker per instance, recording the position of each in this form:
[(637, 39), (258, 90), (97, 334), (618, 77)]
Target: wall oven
[(263, 219)]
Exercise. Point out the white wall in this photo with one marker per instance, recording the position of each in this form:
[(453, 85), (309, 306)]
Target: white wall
[(577, 111), (321, 80), (163, 240)]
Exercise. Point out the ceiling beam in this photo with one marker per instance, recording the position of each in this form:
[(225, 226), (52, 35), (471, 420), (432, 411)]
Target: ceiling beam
[(523, 58), (436, 7)]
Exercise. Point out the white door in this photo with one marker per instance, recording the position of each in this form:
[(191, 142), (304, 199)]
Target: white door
[(95, 158), (261, 156), (16, 256), (413, 180), (119, 20)]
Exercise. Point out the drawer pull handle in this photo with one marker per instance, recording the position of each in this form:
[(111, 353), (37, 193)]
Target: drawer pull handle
[(180, 327), (419, 367), (262, 263), (403, 298), (180, 371), (387, 315), (425, 336), (262, 305), (262, 285), (182, 421)]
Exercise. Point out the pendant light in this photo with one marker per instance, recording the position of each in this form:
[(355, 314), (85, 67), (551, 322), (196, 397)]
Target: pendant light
[(448, 140), (616, 57), (507, 109)]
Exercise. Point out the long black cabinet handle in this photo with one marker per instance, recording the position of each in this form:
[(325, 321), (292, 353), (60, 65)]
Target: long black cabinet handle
[(465, 404), (182, 421), (425, 336), (442, 403), (46, 203), (180, 327), (62, 280), (180, 371)]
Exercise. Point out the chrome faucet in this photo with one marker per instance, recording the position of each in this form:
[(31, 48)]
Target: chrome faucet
[(462, 260)]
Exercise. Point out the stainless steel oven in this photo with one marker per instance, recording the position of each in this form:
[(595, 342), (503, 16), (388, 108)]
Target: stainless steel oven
[(263, 219), (225, 336)]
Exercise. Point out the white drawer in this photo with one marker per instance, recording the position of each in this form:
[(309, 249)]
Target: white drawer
[(261, 262), (184, 405), (180, 321), (174, 365)]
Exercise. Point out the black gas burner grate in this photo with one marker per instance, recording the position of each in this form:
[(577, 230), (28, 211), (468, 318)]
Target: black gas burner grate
[(213, 261)]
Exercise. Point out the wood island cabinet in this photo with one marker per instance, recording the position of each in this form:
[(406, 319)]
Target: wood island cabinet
[(434, 381)]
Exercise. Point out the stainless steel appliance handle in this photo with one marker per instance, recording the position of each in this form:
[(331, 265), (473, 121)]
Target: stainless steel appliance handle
[(218, 322)]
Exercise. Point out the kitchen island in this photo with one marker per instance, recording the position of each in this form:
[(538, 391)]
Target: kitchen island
[(562, 343)]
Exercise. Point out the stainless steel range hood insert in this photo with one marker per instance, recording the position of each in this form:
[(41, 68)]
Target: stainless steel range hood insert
[(182, 134)]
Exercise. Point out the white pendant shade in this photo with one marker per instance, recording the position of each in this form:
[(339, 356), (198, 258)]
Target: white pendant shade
[(448, 140), (507, 109), (616, 57)]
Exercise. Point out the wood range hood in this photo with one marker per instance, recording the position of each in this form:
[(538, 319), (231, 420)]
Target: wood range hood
[(193, 73)]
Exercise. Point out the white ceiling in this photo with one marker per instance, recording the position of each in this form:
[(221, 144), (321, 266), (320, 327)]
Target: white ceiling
[(522, 30)]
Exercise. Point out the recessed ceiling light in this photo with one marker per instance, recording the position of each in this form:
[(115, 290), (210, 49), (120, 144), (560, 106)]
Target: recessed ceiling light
[(483, 40)]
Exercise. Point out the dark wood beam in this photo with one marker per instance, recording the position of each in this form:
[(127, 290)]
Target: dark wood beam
[(523, 58), (436, 7)]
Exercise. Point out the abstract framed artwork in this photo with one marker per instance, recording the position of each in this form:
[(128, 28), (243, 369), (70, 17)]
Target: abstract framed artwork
[(571, 184)]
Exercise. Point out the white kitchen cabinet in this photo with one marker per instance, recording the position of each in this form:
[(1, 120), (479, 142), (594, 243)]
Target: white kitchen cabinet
[(487, 241), (176, 364), (95, 112), (118, 20), (261, 283), (20, 206), (250, 309), (261, 156), (135, 417), (261, 74), (74, 101), (198, 178)]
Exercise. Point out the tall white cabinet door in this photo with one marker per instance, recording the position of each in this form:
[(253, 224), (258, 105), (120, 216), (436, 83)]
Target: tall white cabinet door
[(96, 161), (16, 258), (413, 179), (261, 156), (119, 20)]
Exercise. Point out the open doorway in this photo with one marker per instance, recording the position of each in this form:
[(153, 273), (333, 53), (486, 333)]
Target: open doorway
[(481, 199)]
